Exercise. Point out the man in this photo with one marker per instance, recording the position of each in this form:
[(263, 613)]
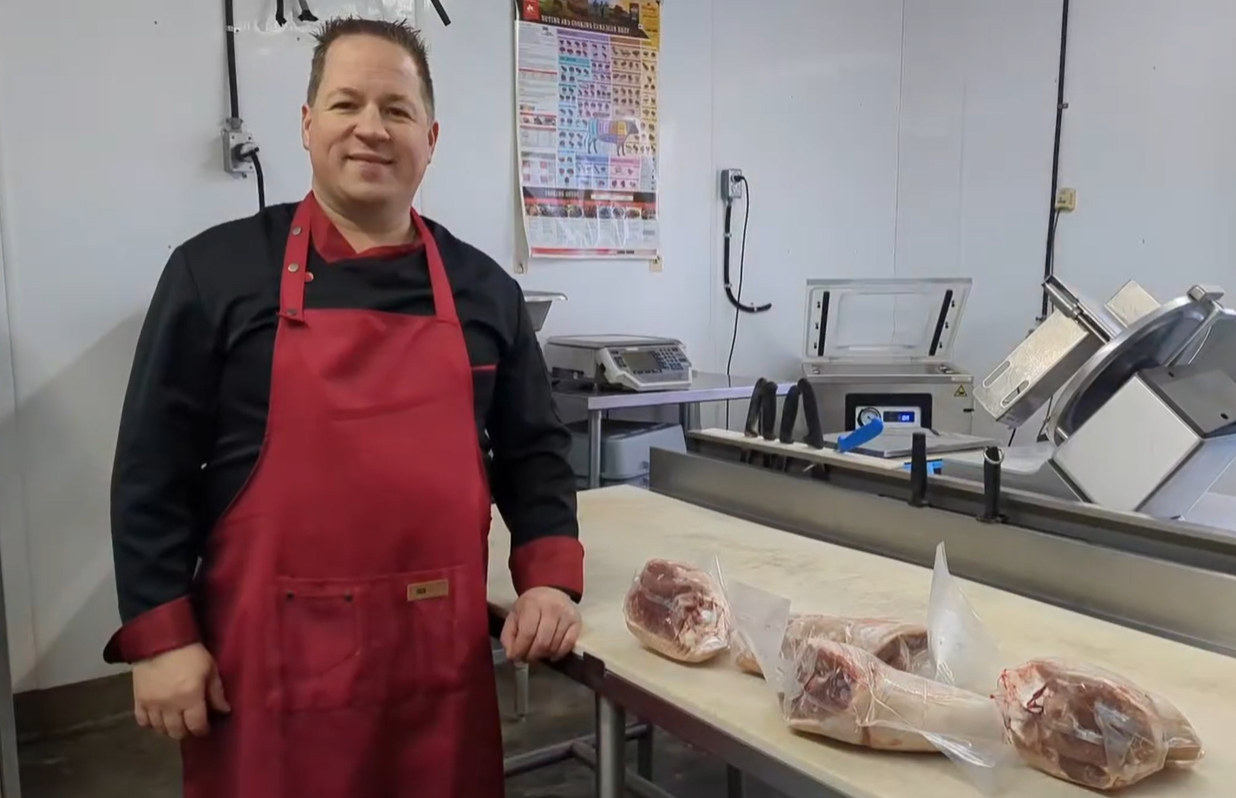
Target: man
[(305, 414)]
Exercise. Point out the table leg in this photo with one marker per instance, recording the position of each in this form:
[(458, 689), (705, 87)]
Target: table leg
[(594, 448), (689, 416), (521, 690), (643, 754), (10, 781), (735, 786), (611, 749)]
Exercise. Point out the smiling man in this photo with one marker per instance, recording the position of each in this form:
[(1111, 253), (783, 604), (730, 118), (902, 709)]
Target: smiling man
[(300, 498)]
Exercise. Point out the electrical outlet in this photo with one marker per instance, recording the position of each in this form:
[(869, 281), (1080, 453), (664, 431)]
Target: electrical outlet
[(731, 184), (1066, 199), (234, 135)]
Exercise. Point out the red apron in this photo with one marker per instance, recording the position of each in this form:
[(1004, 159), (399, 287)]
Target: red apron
[(343, 593)]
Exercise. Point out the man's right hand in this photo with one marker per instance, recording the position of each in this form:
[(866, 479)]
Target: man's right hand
[(172, 692)]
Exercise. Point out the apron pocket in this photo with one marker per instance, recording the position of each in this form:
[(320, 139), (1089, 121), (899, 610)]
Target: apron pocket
[(317, 658), (416, 633)]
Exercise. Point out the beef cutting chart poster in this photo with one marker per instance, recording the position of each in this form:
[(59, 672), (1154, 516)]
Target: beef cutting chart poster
[(586, 100)]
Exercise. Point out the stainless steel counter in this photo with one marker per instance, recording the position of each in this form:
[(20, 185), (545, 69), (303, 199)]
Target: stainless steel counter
[(705, 387)]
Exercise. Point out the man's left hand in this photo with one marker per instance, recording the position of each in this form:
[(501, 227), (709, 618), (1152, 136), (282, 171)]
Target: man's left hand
[(543, 624)]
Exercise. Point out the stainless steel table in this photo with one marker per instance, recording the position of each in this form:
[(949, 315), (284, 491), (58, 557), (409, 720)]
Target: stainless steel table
[(705, 387)]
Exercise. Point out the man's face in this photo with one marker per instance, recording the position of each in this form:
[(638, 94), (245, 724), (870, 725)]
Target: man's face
[(369, 134)]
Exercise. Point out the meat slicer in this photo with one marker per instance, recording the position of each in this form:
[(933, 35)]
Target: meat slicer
[(1141, 401)]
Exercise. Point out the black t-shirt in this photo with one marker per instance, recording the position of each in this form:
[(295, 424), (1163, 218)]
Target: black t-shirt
[(195, 412)]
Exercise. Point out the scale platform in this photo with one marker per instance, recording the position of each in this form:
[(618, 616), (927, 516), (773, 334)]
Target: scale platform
[(898, 443)]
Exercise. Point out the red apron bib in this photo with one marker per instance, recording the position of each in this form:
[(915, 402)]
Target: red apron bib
[(343, 593)]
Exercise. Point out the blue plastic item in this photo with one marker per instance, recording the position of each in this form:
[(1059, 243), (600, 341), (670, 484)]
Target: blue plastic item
[(864, 434)]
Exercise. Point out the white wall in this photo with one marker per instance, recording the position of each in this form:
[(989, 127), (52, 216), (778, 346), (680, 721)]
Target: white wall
[(920, 145)]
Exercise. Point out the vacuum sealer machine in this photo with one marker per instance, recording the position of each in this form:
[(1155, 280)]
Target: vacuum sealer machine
[(882, 349)]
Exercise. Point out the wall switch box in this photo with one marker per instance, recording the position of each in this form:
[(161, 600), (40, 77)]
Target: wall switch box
[(235, 136), (731, 184)]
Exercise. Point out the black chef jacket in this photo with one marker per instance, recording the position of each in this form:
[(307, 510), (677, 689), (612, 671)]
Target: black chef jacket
[(195, 412)]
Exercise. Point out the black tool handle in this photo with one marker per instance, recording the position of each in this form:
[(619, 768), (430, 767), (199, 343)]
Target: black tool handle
[(752, 428), (437, 6), (993, 461), (280, 17), (918, 470), (768, 411), (811, 413), (789, 415)]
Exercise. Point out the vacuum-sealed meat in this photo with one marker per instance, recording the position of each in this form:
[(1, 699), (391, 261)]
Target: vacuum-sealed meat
[(901, 645), (847, 694), (1092, 727), (679, 611)]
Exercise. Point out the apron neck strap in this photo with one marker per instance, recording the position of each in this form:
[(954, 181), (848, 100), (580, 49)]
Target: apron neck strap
[(296, 261)]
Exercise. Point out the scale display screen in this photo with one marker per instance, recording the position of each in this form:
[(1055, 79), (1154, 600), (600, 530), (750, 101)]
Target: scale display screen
[(899, 417), (640, 361)]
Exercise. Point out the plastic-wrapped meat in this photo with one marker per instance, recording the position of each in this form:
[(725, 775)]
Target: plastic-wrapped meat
[(900, 645), (679, 611), (847, 694), (1092, 727)]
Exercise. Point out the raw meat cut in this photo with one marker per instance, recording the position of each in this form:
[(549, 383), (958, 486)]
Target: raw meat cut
[(678, 611), (901, 645), (847, 694), (1092, 727)]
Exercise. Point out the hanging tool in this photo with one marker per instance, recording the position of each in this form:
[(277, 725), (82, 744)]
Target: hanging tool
[(751, 428), (305, 14), (789, 414), (811, 413), (789, 417), (761, 419)]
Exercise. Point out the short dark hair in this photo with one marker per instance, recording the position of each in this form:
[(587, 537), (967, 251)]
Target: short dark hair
[(400, 33)]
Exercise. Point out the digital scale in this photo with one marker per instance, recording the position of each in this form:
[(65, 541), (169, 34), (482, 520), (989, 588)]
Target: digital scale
[(625, 362), (882, 349)]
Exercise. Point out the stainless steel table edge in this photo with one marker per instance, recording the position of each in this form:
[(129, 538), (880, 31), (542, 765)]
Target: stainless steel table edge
[(688, 399)]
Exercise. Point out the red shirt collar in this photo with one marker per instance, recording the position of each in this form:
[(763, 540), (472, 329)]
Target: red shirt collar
[(331, 246)]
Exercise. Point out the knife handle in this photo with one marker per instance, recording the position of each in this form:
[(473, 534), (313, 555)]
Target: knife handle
[(751, 429), (811, 413), (789, 414), (768, 411)]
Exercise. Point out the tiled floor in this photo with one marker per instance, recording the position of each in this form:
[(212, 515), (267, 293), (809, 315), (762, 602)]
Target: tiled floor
[(127, 762)]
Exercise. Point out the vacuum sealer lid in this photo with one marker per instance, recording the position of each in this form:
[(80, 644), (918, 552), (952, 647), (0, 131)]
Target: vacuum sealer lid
[(884, 320)]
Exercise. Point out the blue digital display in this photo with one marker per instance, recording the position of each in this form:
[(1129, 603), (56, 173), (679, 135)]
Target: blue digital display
[(898, 416)]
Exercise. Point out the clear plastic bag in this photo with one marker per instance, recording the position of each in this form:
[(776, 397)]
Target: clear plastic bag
[(1092, 727), (760, 622), (896, 643), (963, 652), (1075, 721), (679, 611), (846, 693)]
